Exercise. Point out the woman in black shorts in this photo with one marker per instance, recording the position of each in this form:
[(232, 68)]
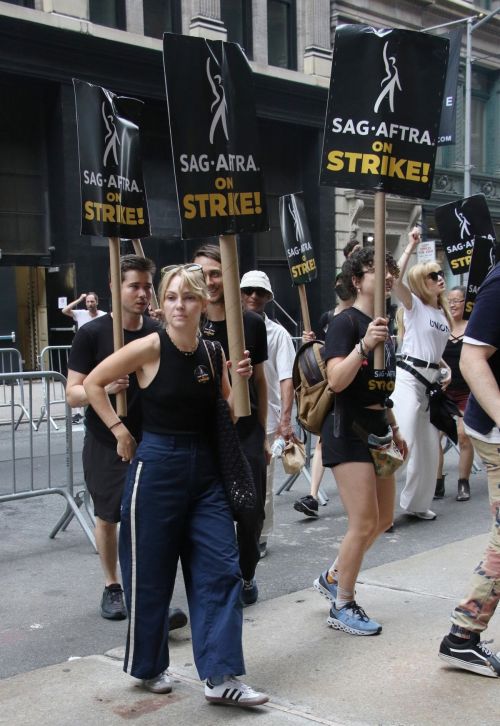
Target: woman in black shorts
[(361, 400)]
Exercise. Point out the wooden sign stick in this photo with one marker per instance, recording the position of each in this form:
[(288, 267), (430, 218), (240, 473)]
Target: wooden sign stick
[(116, 305), (139, 251), (304, 308), (234, 320), (379, 263)]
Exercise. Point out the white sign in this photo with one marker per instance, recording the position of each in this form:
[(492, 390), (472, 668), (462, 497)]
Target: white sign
[(62, 302), (426, 251)]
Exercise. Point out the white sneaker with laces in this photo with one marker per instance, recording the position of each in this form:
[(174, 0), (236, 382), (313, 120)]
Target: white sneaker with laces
[(428, 514), (234, 693), (161, 683)]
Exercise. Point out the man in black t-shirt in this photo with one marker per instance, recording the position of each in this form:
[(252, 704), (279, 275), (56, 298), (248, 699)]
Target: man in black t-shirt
[(104, 471), (480, 366), (251, 429)]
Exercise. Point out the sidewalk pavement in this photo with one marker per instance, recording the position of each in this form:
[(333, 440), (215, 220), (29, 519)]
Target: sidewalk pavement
[(312, 673)]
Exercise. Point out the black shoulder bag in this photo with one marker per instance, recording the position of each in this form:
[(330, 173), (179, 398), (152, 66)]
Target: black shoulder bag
[(442, 408), (234, 467)]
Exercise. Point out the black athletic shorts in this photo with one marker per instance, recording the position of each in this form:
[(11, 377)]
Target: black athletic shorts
[(347, 446), (105, 474)]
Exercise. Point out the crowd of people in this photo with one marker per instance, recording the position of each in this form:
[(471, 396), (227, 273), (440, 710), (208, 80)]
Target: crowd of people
[(155, 471)]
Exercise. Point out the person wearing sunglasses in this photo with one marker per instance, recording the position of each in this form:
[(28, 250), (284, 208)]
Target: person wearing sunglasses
[(174, 504), (426, 324), (458, 391)]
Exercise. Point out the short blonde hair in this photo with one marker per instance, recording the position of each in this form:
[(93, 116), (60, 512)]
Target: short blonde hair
[(417, 282), (192, 279)]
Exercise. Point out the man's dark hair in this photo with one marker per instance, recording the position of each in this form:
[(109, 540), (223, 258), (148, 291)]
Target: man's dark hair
[(350, 246), (364, 257), (134, 262), (208, 250)]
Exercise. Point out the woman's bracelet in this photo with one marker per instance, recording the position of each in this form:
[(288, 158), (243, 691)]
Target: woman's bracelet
[(117, 423), (362, 348)]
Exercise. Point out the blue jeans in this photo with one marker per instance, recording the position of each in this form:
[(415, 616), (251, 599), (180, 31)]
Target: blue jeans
[(174, 506)]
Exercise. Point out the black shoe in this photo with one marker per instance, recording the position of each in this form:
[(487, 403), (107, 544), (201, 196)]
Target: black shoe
[(249, 592), (112, 603), (472, 655), (77, 418), (439, 492), (463, 494), (177, 618), (307, 505)]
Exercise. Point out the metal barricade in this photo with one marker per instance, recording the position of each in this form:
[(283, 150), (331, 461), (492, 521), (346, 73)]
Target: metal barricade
[(40, 462), (53, 358), (13, 396)]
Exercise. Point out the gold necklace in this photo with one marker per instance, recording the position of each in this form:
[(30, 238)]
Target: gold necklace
[(187, 353)]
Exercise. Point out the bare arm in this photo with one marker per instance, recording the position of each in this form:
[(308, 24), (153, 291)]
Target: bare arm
[(68, 310), (480, 379), (401, 290), (75, 392), (132, 357), (286, 389)]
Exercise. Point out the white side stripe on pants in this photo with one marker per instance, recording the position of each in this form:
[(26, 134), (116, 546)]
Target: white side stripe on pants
[(133, 565)]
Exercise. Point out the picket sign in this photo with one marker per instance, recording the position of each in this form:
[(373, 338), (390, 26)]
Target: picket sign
[(116, 306)]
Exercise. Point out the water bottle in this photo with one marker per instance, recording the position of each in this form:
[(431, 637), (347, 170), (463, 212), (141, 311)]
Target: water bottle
[(278, 447)]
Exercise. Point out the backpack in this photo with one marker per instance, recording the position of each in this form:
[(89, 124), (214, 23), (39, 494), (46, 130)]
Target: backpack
[(313, 397)]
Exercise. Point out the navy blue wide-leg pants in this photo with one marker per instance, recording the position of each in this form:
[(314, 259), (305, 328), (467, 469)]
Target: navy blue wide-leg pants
[(174, 506)]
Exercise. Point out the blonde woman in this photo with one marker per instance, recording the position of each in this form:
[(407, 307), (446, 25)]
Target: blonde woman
[(174, 505), (427, 324)]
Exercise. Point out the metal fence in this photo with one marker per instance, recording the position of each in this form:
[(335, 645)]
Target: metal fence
[(38, 463), (12, 396), (53, 358)]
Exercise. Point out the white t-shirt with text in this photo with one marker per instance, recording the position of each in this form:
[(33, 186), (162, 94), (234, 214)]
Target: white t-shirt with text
[(426, 331)]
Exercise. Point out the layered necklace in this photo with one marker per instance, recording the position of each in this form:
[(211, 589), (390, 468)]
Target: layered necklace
[(187, 353)]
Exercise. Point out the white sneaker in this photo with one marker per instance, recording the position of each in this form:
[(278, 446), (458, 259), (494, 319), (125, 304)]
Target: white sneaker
[(159, 684), (234, 693), (428, 514)]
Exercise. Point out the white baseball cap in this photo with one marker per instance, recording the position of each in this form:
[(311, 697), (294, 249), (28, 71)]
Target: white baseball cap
[(257, 278)]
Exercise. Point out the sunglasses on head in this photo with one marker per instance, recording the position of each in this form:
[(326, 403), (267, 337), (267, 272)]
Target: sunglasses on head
[(257, 290), (436, 275), (189, 267)]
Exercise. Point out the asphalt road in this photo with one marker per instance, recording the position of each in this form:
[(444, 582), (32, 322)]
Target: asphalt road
[(51, 588)]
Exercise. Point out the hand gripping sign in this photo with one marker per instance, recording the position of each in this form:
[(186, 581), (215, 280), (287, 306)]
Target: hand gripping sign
[(298, 247), (382, 121), (215, 151), (113, 194)]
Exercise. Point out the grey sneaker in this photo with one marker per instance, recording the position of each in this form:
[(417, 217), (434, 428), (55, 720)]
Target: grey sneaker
[(159, 684), (112, 603)]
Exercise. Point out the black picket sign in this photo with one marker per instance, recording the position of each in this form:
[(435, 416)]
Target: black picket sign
[(297, 239), (213, 130), (384, 106), (460, 223), (113, 194), (447, 126), (483, 259)]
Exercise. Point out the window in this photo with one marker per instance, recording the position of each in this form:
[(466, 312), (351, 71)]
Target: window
[(161, 16), (22, 3), (281, 33), (108, 12), (237, 17), (477, 135)]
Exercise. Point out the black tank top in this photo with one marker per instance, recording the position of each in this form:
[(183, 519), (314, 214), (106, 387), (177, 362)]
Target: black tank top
[(451, 355), (181, 397)]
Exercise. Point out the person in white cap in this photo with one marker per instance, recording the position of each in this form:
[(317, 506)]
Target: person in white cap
[(256, 292)]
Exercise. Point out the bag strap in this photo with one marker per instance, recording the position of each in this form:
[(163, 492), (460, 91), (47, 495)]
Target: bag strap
[(418, 376), (215, 365)]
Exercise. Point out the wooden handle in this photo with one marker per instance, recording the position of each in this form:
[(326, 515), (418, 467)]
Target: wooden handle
[(234, 321), (379, 263), (304, 308), (116, 304)]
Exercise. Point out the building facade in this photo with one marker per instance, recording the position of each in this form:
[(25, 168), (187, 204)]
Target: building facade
[(117, 44)]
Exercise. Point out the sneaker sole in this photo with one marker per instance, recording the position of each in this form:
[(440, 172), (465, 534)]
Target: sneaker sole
[(240, 704), (163, 689), (323, 591), (337, 625), (114, 616), (179, 620), (305, 510), (481, 670)]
